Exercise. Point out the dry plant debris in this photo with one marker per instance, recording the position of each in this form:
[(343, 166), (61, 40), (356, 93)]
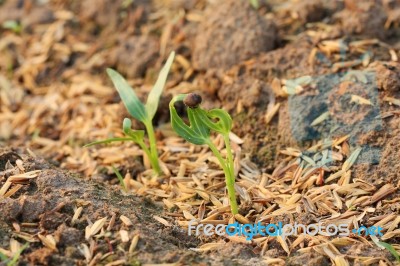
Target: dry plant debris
[(53, 101)]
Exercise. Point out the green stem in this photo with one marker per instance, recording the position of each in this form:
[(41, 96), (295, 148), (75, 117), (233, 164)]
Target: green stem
[(153, 147), (229, 176), (145, 149), (229, 155)]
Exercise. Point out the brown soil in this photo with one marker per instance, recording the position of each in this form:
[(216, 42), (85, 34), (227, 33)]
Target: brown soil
[(363, 17), (231, 31), (49, 202)]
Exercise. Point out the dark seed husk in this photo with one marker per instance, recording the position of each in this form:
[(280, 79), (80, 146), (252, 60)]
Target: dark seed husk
[(192, 100)]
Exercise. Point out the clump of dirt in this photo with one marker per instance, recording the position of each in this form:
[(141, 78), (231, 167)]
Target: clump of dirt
[(386, 141), (388, 76), (364, 17), (285, 133), (134, 55), (67, 236), (387, 169), (308, 259), (106, 14), (293, 17), (389, 164), (365, 250), (7, 156), (211, 81), (291, 61), (231, 31), (344, 108), (247, 92), (261, 140), (308, 11)]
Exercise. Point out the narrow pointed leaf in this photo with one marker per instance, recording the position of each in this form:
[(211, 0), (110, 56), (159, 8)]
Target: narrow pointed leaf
[(3, 257), (154, 95), (391, 249), (17, 255), (128, 96), (107, 141), (120, 178)]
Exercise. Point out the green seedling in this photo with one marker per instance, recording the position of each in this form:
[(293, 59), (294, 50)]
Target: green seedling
[(202, 122), (142, 112), (391, 249), (255, 3), (14, 260), (13, 26), (120, 178), (3, 257)]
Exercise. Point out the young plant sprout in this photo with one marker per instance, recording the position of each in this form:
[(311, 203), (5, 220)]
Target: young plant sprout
[(255, 3), (202, 122), (391, 249), (142, 112)]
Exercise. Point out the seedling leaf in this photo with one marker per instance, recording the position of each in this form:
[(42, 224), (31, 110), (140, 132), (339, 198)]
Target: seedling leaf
[(106, 141), (224, 123), (120, 178), (391, 249), (255, 4), (142, 112), (128, 96), (181, 128), (155, 93), (197, 124), (198, 132), (15, 259), (136, 135), (12, 25), (3, 257)]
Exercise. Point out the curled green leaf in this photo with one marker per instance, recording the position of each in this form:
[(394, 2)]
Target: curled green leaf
[(198, 132), (136, 135), (224, 121), (196, 122), (187, 132)]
